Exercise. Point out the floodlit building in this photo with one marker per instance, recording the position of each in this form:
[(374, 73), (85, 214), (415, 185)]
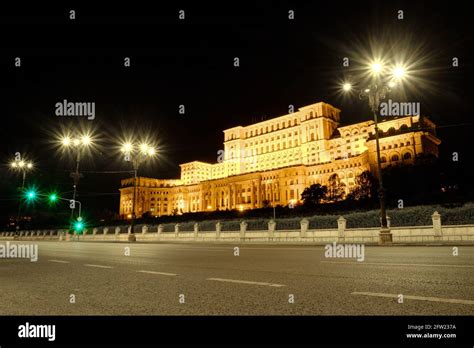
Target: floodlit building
[(272, 162)]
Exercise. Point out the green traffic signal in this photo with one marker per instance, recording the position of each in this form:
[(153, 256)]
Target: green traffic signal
[(79, 226), (53, 197), (31, 195)]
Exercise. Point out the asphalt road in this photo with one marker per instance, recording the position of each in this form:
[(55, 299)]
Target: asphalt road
[(154, 277)]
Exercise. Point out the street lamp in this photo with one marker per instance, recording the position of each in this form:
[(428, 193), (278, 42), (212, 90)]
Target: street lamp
[(136, 154), (23, 167), (76, 145), (381, 82)]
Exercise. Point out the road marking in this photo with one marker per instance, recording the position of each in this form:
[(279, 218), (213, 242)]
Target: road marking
[(98, 266), (421, 298), (246, 282), (200, 249), (59, 261), (159, 273), (398, 264)]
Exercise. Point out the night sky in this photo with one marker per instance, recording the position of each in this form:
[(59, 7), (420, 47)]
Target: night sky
[(190, 62)]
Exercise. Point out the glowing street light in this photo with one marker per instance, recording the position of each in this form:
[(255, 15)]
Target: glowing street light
[(66, 141), (376, 68), (77, 145), (144, 148), (86, 140), (23, 167), (82, 140), (399, 72), (136, 154), (127, 147), (346, 87), (380, 85)]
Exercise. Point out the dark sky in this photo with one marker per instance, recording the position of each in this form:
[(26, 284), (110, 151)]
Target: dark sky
[(190, 62)]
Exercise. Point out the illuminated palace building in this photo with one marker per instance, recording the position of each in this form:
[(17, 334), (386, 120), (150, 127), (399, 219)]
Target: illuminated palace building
[(272, 162)]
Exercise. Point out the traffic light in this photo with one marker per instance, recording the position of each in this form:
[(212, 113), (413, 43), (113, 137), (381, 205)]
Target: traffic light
[(78, 226), (31, 195), (53, 198)]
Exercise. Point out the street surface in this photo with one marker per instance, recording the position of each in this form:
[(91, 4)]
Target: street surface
[(204, 279)]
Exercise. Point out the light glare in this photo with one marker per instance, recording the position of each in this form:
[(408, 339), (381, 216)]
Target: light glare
[(376, 67), (399, 72), (66, 141), (86, 140), (127, 147), (144, 148)]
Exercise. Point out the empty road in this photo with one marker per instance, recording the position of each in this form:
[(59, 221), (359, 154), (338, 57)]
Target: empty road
[(84, 278)]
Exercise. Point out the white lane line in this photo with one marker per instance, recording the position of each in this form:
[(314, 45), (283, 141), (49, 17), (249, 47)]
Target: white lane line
[(159, 273), (420, 298), (246, 282), (97, 266), (200, 249), (59, 261), (397, 264)]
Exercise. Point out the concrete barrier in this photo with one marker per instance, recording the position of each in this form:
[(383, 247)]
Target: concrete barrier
[(435, 234)]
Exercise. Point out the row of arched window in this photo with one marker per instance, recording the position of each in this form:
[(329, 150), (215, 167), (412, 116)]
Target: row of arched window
[(396, 158)]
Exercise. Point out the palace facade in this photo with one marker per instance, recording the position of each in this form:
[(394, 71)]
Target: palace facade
[(273, 161)]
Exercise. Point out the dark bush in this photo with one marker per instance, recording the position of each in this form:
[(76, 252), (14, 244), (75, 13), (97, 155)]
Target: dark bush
[(231, 225), (257, 224), (288, 224), (168, 227)]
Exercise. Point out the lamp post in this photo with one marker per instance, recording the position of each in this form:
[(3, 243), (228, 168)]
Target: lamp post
[(136, 154), (76, 145), (53, 198), (374, 94), (379, 86), (23, 167)]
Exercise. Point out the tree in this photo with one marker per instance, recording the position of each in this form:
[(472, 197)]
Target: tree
[(314, 194), (365, 187), (335, 188), (147, 215)]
